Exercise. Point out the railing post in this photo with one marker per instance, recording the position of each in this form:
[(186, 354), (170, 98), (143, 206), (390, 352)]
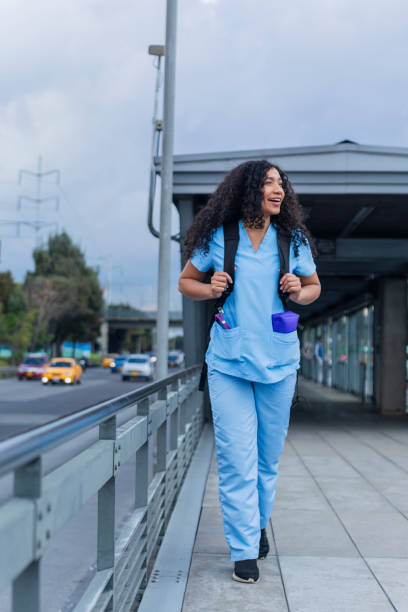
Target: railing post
[(142, 461), (142, 477), (162, 436), (181, 410), (175, 387), (26, 592), (162, 452), (105, 557)]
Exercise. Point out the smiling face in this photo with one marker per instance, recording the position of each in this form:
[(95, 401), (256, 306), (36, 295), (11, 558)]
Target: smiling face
[(273, 193)]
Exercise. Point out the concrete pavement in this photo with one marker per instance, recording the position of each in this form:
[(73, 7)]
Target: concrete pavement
[(339, 528)]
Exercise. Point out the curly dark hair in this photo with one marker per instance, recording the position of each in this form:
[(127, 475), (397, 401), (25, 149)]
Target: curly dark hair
[(239, 196)]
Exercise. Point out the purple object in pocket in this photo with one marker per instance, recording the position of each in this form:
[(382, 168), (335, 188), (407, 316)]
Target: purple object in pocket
[(284, 322)]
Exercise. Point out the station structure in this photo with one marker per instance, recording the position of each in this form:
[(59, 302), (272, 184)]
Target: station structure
[(356, 202)]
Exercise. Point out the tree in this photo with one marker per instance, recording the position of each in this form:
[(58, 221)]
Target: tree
[(65, 293)]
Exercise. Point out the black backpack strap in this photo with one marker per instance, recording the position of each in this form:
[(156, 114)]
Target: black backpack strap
[(283, 248), (231, 239)]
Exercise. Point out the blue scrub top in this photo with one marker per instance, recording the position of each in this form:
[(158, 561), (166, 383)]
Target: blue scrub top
[(251, 349)]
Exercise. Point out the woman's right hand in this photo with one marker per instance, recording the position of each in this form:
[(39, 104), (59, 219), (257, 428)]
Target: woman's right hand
[(219, 282)]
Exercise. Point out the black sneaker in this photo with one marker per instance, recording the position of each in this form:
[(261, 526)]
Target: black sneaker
[(246, 571), (263, 544)]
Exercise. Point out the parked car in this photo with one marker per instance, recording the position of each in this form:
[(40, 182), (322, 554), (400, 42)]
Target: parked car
[(175, 358), (32, 367), (117, 363), (138, 365), (107, 360), (62, 370)]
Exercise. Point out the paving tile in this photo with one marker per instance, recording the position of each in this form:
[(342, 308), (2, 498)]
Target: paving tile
[(322, 584), (310, 532), (291, 465), (211, 496), (382, 444), (298, 492), (210, 535), (395, 491), (378, 534), (310, 443), (353, 494), (331, 466), (211, 588), (399, 434), (287, 448), (392, 574)]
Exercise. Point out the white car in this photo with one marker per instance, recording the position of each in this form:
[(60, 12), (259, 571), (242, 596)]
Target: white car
[(175, 358), (138, 366)]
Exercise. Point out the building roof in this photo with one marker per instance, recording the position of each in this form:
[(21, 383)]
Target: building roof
[(343, 167)]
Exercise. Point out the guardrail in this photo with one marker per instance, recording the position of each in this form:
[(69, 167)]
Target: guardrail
[(169, 416), (8, 371)]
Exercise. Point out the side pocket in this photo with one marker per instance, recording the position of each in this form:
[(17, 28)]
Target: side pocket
[(226, 343), (285, 337), (285, 349)]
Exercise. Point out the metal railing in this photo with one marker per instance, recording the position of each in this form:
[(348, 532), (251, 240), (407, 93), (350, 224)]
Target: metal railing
[(169, 416)]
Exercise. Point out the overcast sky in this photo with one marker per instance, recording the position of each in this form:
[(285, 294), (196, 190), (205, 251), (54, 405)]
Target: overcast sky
[(77, 88)]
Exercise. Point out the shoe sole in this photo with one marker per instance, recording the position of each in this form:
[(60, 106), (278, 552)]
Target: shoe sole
[(249, 581)]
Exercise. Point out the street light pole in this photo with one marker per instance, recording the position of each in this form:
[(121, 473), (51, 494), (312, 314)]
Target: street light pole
[(166, 190)]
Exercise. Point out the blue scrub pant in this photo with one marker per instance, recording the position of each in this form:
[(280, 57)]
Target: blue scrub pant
[(251, 422)]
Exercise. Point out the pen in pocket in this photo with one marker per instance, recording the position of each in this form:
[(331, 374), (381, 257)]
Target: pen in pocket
[(221, 321)]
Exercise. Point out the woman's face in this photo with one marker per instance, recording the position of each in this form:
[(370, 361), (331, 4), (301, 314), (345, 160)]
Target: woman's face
[(273, 193)]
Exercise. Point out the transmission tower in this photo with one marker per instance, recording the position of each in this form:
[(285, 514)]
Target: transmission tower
[(38, 200)]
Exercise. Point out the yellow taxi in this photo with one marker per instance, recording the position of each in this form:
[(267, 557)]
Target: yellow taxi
[(108, 359), (62, 370)]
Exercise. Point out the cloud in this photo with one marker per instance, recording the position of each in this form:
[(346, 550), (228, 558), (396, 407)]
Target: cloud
[(77, 88)]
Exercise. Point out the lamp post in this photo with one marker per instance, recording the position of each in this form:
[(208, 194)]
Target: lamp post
[(166, 190)]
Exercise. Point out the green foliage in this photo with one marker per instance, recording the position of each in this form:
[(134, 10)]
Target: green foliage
[(95, 359), (17, 301), (6, 289), (60, 300), (16, 322), (59, 258), (176, 343), (65, 293), (138, 340)]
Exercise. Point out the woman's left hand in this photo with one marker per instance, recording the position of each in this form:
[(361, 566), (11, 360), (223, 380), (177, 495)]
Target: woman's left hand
[(290, 283)]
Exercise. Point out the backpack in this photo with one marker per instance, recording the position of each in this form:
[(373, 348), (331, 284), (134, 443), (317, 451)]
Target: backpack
[(231, 239)]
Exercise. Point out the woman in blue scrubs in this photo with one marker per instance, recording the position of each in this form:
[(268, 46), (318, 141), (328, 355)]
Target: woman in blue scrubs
[(251, 367)]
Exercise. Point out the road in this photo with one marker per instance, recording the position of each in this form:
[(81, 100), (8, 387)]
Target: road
[(29, 403)]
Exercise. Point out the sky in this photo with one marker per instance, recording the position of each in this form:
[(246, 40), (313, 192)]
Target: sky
[(78, 89)]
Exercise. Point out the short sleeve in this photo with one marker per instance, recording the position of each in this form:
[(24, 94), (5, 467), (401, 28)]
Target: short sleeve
[(303, 264), (201, 261)]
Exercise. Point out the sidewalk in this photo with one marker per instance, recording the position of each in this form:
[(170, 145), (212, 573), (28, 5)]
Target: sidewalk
[(339, 528)]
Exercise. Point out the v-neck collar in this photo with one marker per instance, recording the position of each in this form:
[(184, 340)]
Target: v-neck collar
[(249, 239)]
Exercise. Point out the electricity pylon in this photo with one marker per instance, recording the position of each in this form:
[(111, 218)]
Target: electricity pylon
[(38, 200)]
